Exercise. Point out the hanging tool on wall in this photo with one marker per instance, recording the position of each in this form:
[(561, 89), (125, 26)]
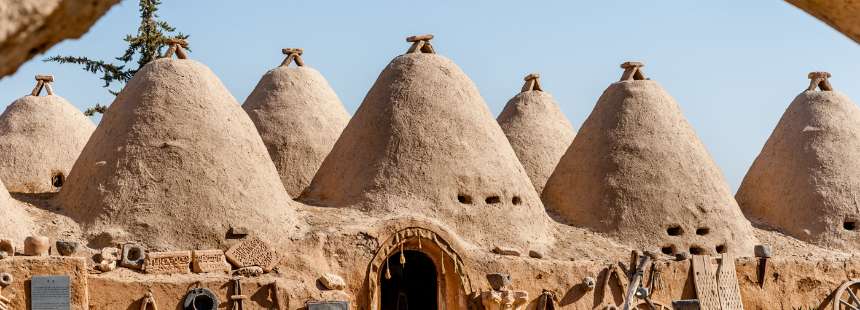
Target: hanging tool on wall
[(238, 298), (638, 261)]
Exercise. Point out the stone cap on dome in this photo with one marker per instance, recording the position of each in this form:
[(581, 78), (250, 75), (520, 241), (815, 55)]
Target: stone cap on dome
[(819, 79), (633, 71), (532, 83), (421, 44), (43, 81), (293, 54), (178, 47)]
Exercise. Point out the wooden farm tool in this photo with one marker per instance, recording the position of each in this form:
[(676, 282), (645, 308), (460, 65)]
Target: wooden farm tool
[(237, 298)]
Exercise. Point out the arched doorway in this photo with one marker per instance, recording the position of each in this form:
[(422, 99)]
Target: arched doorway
[(412, 285), (452, 284)]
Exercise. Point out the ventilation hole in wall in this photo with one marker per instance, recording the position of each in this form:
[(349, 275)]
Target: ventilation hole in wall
[(668, 250), (849, 225), (696, 250), (58, 179), (466, 199), (701, 231), (493, 200), (675, 231), (722, 249), (516, 200)]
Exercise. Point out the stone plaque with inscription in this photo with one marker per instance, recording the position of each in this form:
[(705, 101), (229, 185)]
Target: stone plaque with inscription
[(50, 293), (168, 262), (328, 305), (253, 251), (209, 261)]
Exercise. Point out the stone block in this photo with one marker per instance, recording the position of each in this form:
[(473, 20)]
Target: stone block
[(7, 246), (133, 256), (499, 281), (37, 246), (66, 248), (109, 254), (168, 262), (238, 231), (502, 250), (204, 261), (332, 281), (253, 251)]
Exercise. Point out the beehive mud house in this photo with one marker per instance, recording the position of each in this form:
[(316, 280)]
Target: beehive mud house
[(182, 199)]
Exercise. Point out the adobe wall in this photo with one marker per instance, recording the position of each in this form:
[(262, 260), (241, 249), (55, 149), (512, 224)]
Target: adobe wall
[(791, 282), (22, 268)]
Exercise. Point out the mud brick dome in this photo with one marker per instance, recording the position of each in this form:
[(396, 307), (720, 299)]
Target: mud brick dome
[(537, 130), (806, 179), (15, 223), (423, 143), (299, 117), (174, 163), (637, 171), (40, 139)]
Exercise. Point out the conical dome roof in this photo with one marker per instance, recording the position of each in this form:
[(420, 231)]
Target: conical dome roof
[(423, 143), (40, 139), (637, 171), (806, 180), (537, 129), (174, 163), (15, 223), (299, 118)]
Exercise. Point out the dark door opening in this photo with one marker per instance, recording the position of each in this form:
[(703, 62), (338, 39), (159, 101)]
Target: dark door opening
[(412, 285)]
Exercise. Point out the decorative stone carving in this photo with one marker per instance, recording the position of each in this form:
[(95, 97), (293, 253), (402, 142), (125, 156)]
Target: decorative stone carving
[(37, 246), (209, 261), (332, 281), (253, 251), (504, 299), (66, 248), (133, 256), (168, 262), (252, 271), (501, 296)]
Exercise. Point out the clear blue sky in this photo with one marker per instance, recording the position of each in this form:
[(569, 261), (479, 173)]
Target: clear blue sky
[(732, 65)]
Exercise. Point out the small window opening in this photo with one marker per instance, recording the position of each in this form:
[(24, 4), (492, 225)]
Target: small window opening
[(722, 249), (466, 199), (701, 231), (849, 225), (516, 200), (675, 231), (58, 179), (668, 250), (695, 250), (493, 200)]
